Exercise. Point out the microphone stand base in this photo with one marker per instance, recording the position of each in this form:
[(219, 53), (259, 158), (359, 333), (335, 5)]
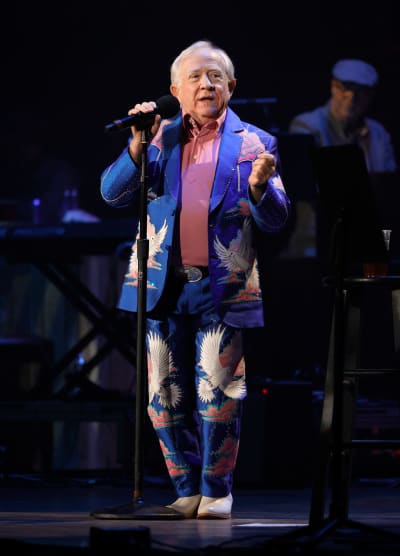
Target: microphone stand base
[(136, 510)]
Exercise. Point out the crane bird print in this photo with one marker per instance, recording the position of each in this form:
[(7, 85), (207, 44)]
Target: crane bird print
[(161, 370), (218, 375), (156, 239)]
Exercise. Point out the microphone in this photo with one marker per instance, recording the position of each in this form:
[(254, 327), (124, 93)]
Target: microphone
[(167, 106)]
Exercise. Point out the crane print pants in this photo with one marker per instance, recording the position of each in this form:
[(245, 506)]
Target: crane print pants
[(196, 384)]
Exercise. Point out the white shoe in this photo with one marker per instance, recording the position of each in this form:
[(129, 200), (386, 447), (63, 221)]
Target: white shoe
[(215, 508), (186, 505)]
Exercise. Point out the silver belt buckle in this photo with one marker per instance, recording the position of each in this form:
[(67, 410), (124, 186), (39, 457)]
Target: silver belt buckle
[(192, 273)]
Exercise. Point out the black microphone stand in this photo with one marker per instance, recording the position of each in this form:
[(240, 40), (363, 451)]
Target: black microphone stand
[(137, 508)]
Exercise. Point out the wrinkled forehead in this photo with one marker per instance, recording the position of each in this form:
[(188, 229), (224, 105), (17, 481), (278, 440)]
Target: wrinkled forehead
[(200, 60)]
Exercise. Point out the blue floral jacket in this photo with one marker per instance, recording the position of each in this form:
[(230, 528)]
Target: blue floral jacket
[(233, 265)]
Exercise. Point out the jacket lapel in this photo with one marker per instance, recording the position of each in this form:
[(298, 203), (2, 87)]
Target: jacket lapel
[(228, 156), (171, 140)]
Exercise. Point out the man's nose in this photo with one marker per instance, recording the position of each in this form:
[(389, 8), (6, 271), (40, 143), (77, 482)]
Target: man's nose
[(206, 81)]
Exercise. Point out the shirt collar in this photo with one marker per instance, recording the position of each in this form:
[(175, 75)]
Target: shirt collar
[(192, 129)]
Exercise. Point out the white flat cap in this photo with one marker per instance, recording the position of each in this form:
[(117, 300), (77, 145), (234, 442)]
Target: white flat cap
[(355, 71)]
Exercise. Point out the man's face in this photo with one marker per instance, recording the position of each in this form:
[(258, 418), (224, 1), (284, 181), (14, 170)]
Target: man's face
[(203, 89), (349, 100)]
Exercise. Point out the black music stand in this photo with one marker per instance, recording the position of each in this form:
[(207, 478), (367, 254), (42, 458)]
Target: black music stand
[(354, 236), (137, 508)]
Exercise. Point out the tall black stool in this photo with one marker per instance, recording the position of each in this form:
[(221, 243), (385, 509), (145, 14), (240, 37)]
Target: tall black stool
[(343, 376), (336, 442)]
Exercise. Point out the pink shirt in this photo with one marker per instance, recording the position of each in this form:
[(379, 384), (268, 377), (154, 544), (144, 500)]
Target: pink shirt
[(199, 161)]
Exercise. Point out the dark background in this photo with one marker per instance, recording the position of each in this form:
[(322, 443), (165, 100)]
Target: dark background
[(79, 65), (69, 68)]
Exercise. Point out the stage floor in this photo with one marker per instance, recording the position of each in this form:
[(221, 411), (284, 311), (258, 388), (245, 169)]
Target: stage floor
[(53, 515)]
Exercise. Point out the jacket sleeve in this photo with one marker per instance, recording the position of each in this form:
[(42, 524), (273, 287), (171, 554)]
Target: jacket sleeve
[(272, 211), (120, 182)]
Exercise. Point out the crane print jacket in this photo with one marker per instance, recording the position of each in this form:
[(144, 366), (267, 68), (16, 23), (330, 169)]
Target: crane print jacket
[(232, 218)]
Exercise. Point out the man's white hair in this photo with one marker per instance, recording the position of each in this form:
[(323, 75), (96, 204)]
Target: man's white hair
[(218, 53)]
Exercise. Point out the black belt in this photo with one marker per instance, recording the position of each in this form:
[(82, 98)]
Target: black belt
[(189, 273)]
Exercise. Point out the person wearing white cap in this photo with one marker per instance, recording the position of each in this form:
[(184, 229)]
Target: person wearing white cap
[(343, 118)]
